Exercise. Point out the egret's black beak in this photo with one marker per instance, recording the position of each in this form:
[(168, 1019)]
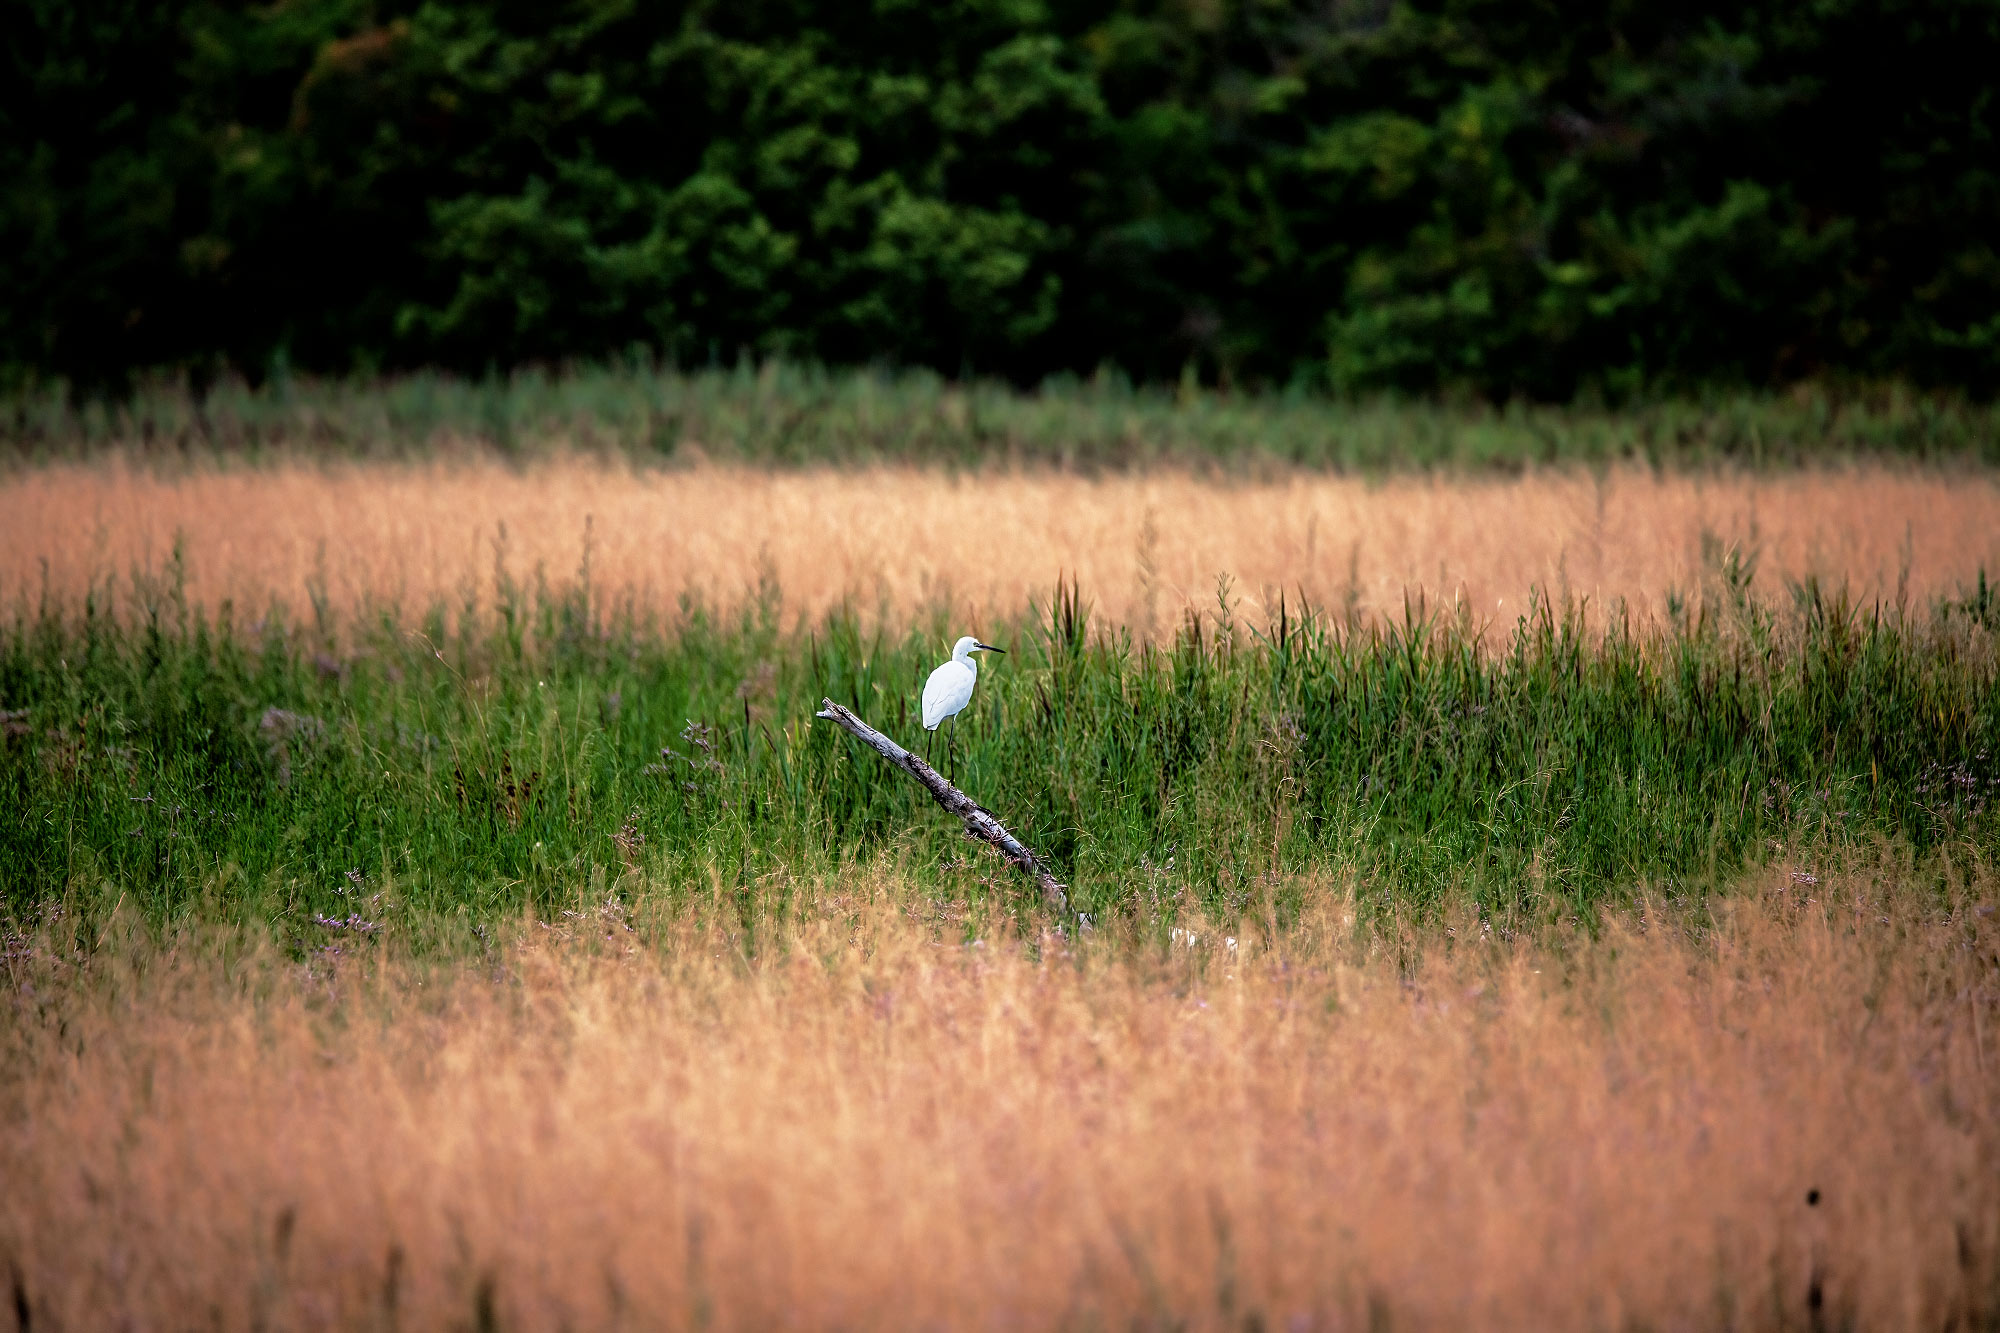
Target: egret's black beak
[(991, 649)]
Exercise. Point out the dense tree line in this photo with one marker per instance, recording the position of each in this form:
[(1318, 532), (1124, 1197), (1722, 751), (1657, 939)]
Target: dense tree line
[(1517, 196)]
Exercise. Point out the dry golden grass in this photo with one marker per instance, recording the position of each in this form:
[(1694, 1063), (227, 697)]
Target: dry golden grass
[(875, 1124), (1142, 545)]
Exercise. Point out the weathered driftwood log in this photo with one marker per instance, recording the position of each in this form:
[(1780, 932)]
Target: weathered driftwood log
[(979, 821)]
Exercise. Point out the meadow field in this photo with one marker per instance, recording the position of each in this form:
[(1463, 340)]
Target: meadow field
[(349, 540), (1558, 894), (886, 1107)]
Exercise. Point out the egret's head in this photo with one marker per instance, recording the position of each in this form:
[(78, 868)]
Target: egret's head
[(968, 645)]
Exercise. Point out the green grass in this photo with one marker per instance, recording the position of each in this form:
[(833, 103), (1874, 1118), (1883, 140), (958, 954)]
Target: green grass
[(788, 414), (532, 752)]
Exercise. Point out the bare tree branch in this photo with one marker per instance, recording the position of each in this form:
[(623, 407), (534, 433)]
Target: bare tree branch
[(979, 821)]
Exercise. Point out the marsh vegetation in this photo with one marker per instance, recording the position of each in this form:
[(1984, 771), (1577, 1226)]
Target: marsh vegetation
[(428, 900)]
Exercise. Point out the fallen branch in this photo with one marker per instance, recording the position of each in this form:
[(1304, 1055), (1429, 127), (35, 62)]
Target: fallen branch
[(979, 821)]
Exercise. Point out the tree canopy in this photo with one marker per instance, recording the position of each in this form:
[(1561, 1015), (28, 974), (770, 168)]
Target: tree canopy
[(1533, 197)]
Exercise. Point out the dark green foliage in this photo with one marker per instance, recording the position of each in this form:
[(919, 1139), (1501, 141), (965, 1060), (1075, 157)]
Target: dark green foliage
[(1520, 198), (540, 746)]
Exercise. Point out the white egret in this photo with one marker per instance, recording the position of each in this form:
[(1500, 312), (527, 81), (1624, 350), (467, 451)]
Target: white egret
[(949, 690)]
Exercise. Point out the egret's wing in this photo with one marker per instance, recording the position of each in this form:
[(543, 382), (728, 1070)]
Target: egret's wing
[(947, 691), (936, 690)]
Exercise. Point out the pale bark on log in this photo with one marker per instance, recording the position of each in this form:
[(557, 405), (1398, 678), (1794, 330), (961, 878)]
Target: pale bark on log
[(979, 821)]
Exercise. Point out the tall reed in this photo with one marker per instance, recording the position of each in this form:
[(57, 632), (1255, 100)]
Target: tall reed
[(788, 414), (540, 741)]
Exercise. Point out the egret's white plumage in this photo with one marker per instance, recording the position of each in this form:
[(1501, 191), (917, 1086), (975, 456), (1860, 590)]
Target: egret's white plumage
[(949, 689)]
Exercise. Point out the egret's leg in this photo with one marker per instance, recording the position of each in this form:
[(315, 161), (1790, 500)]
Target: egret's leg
[(951, 748)]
